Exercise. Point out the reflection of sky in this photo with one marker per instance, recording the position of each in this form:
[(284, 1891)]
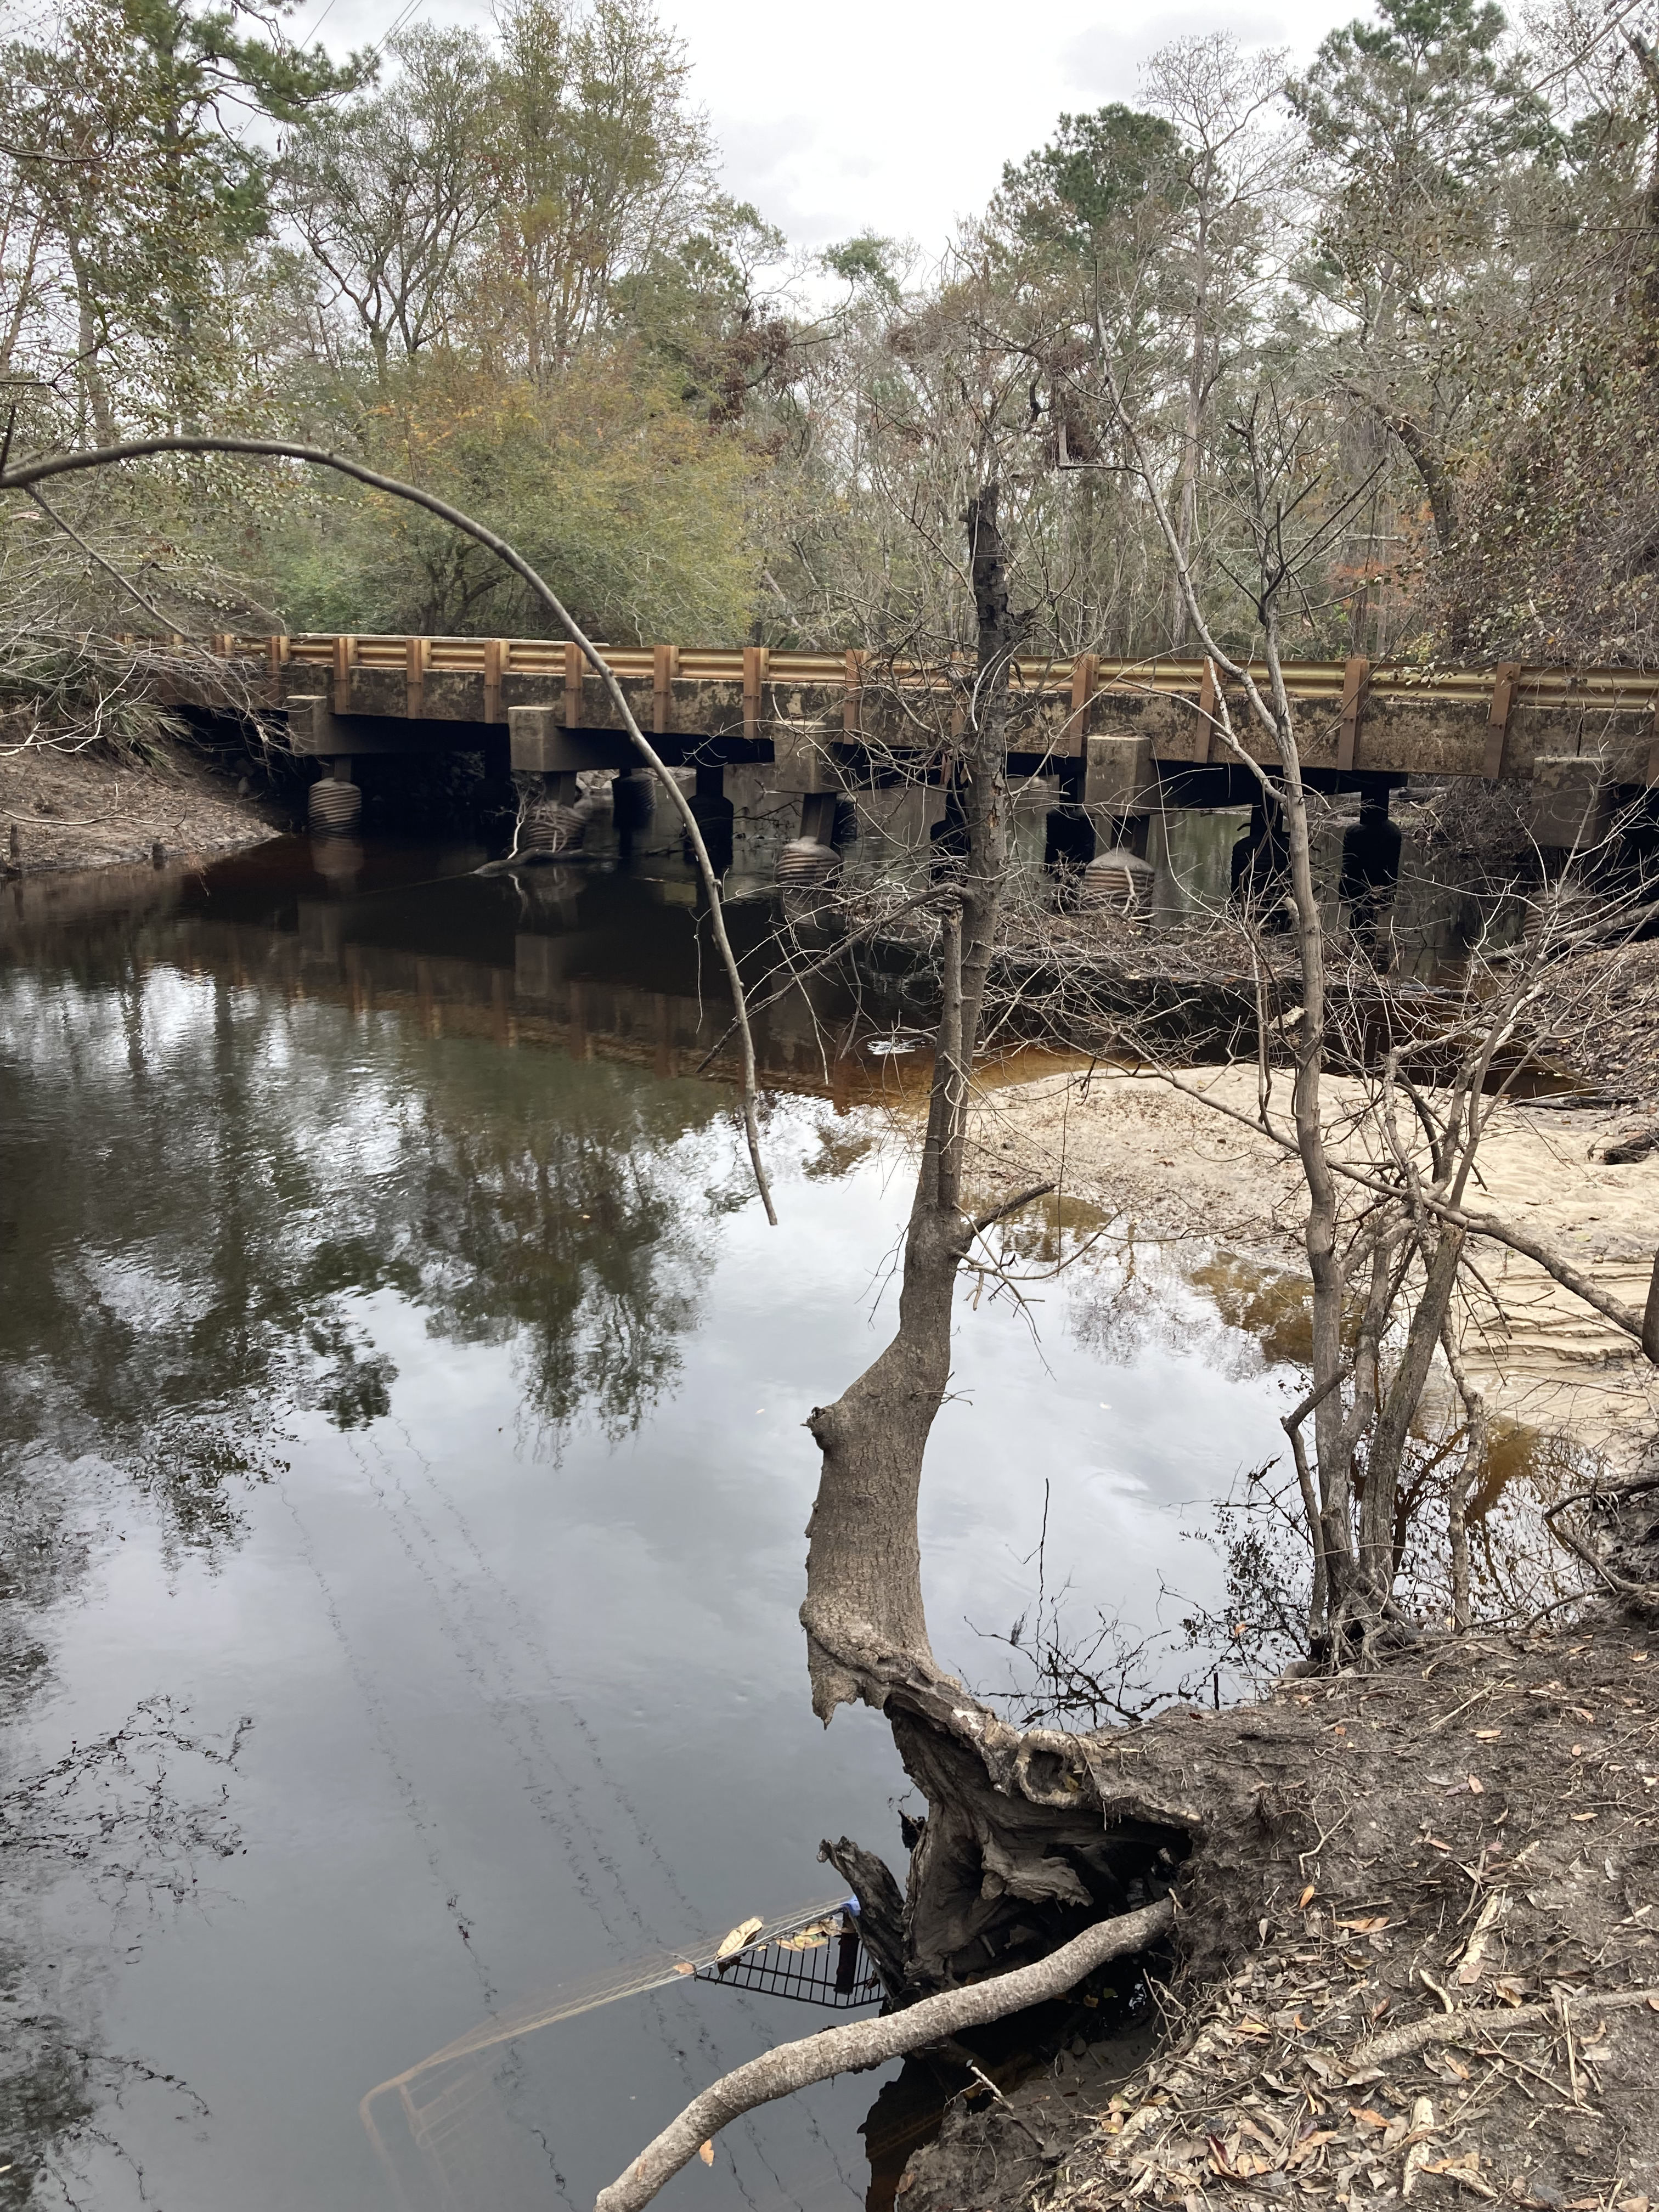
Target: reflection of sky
[(518, 1716)]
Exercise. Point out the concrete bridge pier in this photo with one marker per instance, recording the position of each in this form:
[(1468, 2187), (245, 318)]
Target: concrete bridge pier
[(558, 788), (1370, 875), (715, 816), (1260, 868), (1121, 792)]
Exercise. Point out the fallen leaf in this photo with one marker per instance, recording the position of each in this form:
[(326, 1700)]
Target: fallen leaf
[(810, 1939), (1364, 1927), (740, 1937), (705, 2153), (1367, 2116), (905, 2180), (1465, 2169), (1249, 2027), (1581, 1816), (685, 1967), (1487, 1735), (1477, 1787), (1306, 1897), (1310, 2144)]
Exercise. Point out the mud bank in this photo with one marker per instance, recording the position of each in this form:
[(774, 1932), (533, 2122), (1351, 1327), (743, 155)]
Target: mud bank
[(1414, 1953), (90, 809)]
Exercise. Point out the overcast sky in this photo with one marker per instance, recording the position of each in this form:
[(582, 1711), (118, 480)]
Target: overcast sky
[(896, 116)]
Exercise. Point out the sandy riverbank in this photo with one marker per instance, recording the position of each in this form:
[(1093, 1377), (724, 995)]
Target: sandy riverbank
[(92, 809), (1223, 1204)]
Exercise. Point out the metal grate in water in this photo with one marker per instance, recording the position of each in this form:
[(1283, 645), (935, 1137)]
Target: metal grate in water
[(439, 2129), (822, 1964)]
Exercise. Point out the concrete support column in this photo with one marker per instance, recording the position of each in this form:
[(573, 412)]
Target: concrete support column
[(1120, 792), (716, 815), (1261, 862), (1369, 875)]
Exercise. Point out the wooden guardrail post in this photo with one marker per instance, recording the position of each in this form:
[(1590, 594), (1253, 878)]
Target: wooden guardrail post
[(1084, 668), (572, 687), (418, 658), (345, 659), (852, 705), (754, 658), (497, 654), (275, 662), (665, 667), (1356, 681), (1498, 718)]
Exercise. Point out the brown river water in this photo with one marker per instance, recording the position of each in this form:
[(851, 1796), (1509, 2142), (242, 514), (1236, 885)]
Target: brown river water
[(402, 1490)]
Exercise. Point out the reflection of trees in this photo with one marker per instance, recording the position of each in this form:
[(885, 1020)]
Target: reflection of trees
[(203, 1187), (548, 1211)]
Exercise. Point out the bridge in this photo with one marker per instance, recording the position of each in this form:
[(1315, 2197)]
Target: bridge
[(1120, 739)]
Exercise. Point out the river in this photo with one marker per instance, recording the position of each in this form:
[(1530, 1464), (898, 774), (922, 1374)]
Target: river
[(403, 1482)]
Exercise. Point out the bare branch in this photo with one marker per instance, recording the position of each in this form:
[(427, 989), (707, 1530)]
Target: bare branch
[(863, 2042), (26, 475)]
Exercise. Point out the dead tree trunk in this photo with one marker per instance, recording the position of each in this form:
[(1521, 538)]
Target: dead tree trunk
[(863, 1609), (1014, 1856)]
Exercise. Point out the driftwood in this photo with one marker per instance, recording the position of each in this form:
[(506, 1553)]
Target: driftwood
[(864, 2043)]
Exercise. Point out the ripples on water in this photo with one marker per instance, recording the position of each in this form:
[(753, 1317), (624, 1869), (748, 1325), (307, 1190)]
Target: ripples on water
[(404, 1481)]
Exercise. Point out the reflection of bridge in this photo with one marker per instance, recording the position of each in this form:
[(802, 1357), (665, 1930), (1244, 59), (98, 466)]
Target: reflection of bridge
[(596, 967), (1120, 737)]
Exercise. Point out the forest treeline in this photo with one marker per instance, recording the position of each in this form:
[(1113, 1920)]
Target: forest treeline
[(503, 265)]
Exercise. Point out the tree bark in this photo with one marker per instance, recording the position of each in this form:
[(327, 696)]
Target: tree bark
[(864, 2043), (863, 1611)]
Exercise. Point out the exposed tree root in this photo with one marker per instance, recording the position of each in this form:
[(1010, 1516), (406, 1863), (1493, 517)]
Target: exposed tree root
[(1416, 1949), (864, 2043)]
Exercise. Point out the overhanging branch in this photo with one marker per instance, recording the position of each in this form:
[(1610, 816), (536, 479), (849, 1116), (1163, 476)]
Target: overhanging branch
[(24, 475)]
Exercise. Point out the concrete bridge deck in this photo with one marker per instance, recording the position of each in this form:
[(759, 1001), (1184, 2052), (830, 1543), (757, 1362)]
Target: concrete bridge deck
[(1357, 716), (1120, 737)]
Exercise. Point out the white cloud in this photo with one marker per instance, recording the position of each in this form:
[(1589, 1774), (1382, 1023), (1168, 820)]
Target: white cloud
[(896, 116), (1103, 62)]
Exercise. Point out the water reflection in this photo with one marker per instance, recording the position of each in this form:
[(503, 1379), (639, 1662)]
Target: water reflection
[(398, 1363)]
